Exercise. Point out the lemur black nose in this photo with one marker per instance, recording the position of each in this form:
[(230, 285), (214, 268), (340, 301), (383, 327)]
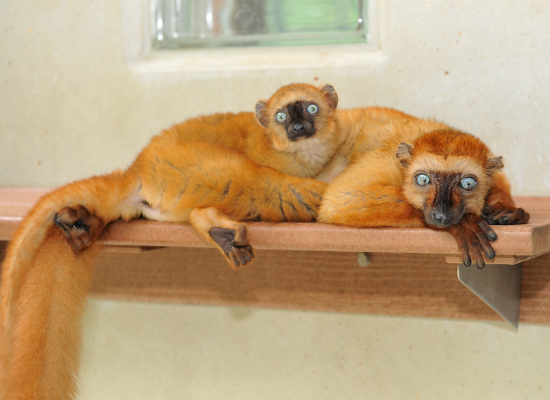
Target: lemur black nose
[(298, 128), (441, 218)]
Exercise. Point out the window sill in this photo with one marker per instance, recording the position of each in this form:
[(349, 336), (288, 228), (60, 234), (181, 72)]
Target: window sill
[(248, 59)]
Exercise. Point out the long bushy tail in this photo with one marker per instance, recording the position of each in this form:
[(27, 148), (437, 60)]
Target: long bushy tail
[(44, 286), (41, 347)]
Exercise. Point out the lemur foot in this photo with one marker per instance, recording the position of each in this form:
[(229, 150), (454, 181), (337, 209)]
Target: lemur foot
[(79, 226), (234, 243), (503, 214)]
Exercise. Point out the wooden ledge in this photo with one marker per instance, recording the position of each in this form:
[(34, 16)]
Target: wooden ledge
[(322, 272), (515, 243)]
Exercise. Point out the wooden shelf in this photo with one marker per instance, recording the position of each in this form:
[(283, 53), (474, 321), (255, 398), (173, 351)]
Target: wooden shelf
[(515, 243), (309, 266)]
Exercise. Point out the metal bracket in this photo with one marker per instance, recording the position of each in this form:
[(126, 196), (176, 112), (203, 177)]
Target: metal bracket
[(498, 285)]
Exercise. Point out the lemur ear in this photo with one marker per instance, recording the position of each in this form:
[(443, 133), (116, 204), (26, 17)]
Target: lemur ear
[(494, 164), (330, 95), (404, 154), (261, 116)]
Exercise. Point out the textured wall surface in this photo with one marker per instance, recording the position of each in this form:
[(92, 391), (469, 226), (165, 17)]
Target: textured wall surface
[(70, 108)]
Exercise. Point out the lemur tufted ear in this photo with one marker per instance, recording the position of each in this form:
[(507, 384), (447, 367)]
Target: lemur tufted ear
[(330, 95), (404, 154), (261, 116), (494, 164)]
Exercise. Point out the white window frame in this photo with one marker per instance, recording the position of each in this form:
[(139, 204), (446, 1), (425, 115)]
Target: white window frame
[(141, 58)]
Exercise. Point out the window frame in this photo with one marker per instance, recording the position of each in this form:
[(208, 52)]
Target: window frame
[(141, 58)]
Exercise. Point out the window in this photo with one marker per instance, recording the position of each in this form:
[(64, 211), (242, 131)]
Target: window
[(192, 24), (212, 37)]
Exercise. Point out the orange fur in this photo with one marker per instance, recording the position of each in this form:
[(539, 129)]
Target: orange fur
[(378, 187), (45, 331), (362, 130), (211, 171)]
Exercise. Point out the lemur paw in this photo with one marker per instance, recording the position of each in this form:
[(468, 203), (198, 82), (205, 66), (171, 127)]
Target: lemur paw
[(234, 243), (473, 235), (503, 214), (79, 226)]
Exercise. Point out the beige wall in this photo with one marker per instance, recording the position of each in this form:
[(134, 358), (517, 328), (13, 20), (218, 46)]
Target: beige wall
[(70, 108)]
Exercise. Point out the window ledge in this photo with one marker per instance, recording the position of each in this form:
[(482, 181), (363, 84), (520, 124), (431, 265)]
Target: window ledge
[(249, 59)]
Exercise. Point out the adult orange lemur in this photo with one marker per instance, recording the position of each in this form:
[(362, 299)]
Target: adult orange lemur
[(408, 172), (210, 171)]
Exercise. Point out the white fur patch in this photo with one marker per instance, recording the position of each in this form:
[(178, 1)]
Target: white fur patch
[(313, 152), (335, 168)]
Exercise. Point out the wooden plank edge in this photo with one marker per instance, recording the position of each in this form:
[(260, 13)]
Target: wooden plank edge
[(506, 260), (512, 242)]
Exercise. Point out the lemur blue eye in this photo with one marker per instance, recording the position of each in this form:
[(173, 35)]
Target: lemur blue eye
[(281, 116), (312, 109), (468, 183), (422, 179)]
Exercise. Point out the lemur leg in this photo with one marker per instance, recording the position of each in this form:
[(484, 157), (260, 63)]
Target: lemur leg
[(270, 197), (282, 198), (229, 236), (200, 175)]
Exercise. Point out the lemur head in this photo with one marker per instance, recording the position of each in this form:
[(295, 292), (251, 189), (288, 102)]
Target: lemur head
[(298, 112), (446, 174)]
